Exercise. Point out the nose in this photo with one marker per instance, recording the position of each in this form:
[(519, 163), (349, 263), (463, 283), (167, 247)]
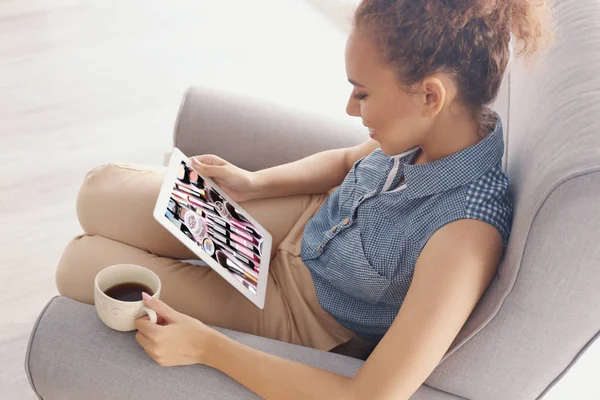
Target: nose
[(353, 107)]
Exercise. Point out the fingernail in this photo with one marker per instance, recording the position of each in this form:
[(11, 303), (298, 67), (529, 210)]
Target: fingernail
[(146, 296)]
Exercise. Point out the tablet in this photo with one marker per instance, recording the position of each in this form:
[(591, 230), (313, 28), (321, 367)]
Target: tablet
[(205, 219)]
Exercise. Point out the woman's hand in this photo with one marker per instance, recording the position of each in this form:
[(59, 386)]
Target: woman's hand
[(240, 184), (177, 339)]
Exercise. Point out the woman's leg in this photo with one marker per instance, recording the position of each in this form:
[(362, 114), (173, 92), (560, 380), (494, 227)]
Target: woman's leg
[(116, 201), (115, 207), (196, 291)]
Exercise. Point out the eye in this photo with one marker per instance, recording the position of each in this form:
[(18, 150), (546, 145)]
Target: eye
[(359, 96)]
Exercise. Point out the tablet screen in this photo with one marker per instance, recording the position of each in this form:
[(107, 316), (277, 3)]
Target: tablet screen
[(215, 226)]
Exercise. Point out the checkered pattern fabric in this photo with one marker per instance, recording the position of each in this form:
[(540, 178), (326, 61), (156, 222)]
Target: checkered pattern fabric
[(362, 245)]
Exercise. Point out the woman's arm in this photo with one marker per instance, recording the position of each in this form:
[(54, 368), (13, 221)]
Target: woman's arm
[(451, 274), (314, 174), (273, 377)]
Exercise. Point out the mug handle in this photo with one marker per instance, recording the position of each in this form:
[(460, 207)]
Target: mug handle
[(151, 314)]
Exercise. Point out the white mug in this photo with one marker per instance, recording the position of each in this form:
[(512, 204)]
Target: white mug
[(117, 314)]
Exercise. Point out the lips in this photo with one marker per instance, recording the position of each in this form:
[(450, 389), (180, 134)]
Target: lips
[(372, 132)]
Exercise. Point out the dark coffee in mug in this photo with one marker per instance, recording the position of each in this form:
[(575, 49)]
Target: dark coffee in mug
[(128, 291)]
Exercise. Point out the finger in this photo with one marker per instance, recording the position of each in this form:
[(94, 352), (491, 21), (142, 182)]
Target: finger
[(143, 341), (146, 327), (160, 307), (210, 159), (209, 170)]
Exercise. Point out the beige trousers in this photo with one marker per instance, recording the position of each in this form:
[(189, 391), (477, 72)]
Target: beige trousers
[(115, 206)]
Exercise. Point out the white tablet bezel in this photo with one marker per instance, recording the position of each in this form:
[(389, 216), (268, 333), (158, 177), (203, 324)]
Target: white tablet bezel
[(160, 209)]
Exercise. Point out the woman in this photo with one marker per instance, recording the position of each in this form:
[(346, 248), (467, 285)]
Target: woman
[(387, 246)]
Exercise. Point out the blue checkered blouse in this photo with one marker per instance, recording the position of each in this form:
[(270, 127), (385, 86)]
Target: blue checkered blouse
[(361, 247)]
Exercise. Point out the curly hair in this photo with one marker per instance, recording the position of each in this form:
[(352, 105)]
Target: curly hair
[(470, 39)]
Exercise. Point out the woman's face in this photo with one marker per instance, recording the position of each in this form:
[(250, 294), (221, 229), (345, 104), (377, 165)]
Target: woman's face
[(393, 115)]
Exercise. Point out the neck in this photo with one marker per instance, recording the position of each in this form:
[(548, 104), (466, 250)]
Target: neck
[(449, 134)]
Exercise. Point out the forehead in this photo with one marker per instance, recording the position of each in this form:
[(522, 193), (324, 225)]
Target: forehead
[(362, 57)]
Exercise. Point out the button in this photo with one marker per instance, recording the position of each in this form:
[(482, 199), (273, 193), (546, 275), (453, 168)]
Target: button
[(320, 247), (334, 229), (346, 221)]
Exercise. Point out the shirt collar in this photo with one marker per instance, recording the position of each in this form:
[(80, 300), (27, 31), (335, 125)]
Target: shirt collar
[(405, 154), (457, 169)]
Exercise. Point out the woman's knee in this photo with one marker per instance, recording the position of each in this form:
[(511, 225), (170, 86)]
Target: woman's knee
[(115, 189), (93, 189), (72, 280), (87, 255)]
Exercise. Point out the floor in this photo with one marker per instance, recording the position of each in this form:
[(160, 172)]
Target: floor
[(87, 82), (84, 82)]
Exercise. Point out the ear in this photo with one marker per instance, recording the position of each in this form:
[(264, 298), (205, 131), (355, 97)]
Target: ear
[(435, 96)]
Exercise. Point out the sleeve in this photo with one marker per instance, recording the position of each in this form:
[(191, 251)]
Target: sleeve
[(488, 200)]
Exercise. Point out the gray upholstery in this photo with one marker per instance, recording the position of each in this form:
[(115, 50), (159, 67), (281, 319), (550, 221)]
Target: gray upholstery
[(73, 356), (534, 320)]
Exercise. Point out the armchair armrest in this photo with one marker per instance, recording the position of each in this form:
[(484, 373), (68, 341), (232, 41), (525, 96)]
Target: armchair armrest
[(254, 134), (73, 356)]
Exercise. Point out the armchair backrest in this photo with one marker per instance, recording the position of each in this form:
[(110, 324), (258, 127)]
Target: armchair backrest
[(543, 308)]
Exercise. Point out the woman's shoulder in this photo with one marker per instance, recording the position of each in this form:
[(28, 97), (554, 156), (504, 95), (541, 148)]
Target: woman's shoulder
[(488, 199)]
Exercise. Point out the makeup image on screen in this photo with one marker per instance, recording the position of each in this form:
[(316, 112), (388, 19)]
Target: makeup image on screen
[(215, 226)]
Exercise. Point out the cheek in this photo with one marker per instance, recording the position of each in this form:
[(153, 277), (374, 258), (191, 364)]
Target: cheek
[(399, 113), (386, 113), (371, 115)]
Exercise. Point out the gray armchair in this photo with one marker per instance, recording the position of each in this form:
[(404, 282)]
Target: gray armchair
[(538, 315)]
